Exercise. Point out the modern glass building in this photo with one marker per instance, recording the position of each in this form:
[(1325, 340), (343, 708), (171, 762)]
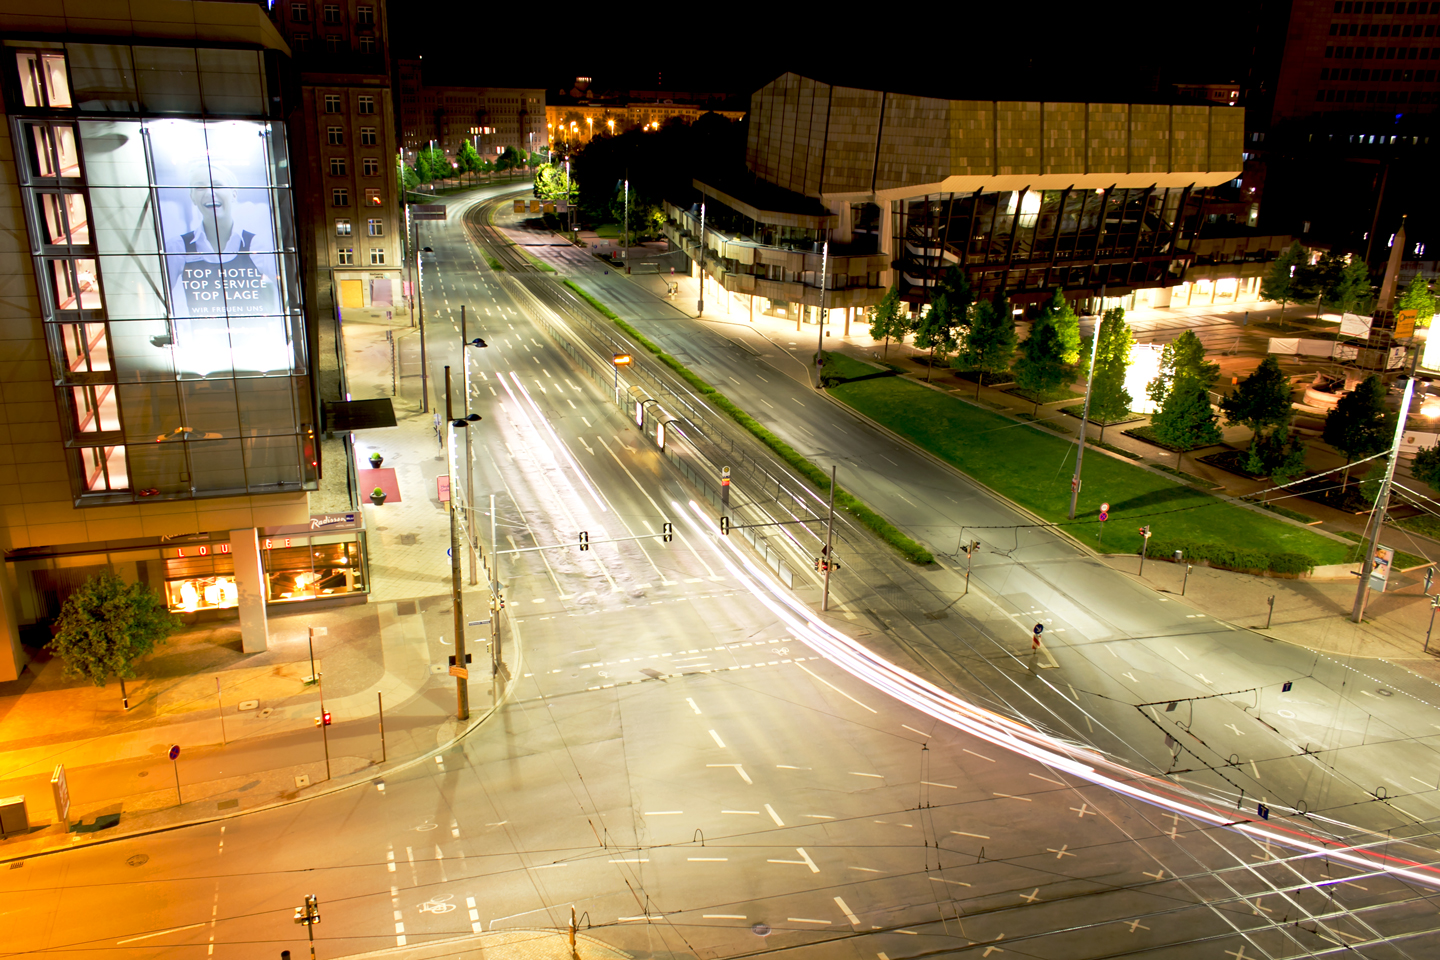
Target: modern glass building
[(159, 407)]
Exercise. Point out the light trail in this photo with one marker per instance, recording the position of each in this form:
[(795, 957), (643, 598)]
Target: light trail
[(564, 450), (1023, 740)]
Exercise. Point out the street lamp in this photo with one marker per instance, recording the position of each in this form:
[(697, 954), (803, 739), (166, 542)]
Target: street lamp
[(462, 676), (589, 129)]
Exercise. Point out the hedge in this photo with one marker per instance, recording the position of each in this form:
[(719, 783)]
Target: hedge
[(1231, 558), (910, 549)]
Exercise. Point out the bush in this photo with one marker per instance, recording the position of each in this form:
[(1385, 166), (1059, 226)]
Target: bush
[(1230, 557), (910, 549)]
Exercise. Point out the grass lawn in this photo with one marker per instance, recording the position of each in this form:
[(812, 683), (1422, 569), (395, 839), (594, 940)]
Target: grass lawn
[(1033, 468), (608, 230)]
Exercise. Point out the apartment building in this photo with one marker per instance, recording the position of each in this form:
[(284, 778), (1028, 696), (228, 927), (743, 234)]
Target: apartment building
[(490, 118)]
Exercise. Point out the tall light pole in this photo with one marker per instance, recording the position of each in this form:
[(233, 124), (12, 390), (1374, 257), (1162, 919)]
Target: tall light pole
[(1085, 413), (1382, 502), (625, 247), (820, 338), (700, 304), (420, 302), (469, 515), (462, 679)]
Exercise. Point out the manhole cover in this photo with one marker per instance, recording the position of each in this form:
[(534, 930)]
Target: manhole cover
[(761, 930), (144, 773), (139, 860), (1385, 693)]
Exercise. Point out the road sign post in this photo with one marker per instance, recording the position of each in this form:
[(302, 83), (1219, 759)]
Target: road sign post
[(1104, 515), (1434, 602), (174, 756), (1144, 547)]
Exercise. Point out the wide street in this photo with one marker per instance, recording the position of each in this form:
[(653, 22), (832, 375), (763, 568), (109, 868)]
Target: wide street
[(702, 767)]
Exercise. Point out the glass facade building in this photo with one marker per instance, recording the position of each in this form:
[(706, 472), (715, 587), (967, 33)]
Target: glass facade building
[(156, 186)]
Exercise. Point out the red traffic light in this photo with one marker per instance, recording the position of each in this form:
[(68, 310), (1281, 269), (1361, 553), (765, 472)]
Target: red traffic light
[(323, 719)]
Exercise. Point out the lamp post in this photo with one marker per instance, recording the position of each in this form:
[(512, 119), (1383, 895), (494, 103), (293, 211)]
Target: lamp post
[(1382, 502), (462, 680), (700, 304), (1085, 414), (469, 515), (625, 244), (820, 337)]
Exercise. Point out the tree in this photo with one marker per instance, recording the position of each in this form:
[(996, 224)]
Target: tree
[(1185, 420), (936, 328), (468, 159), (1042, 367), (889, 320), (432, 164), (1280, 456), (509, 159), (1426, 467), (1279, 281), (408, 178), (989, 345), (1351, 290), (1109, 400), (1417, 297), (1314, 281), (106, 625), (552, 183), (1262, 403), (1360, 425), (1062, 316), (1182, 359)]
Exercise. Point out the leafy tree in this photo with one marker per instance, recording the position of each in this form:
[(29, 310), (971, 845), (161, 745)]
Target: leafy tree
[(1279, 281), (509, 159), (888, 319), (1042, 367), (990, 342), (408, 177), (1313, 281), (1182, 359), (1062, 316), (1426, 467), (646, 215), (432, 164), (468, 159), (1417, 297), (1352, 290), (106, 625), (1360, 425), (1262, 403), (1185, 420), (1109, 400), (1280, 456), (552, 183), (936, 328)]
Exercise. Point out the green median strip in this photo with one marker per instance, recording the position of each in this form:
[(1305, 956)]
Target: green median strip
[(1032, 468), (910, 549)]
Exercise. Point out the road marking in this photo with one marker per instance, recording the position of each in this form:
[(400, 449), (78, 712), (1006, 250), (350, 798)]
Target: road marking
[(818, 816), (718, 742), (723, 916), (738, 769), (1182, 653), (1235, 729), (1047, 779), (707, 859), (957, 883), (982, 836), (877, 776), (1254, 769), (947, 786), (980, 755), (632, 860), (833, 687), (1083, 809), (636, 919), (1131, 676), (1064, 851), (802, 404), (691, 701), (1012, 796), (752, 813), (803, 920), (758, 377), (806, 862), (913, 730), (663, 813), (1212, 682), (1032, 896), (587, 422), (1134, 924), (159, 933), (864, 869), (774, 816), (764, 401), (849, 914)]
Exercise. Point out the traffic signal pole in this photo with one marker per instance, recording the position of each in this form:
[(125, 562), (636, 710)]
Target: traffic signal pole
[(457, 605), (829, 542)]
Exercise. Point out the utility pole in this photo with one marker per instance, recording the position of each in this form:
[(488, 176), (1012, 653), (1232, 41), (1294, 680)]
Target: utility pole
[(625, 246), (700, 304), (829, 543), (1085, 414), (496, 602), (820, 338), (462, 680), (420, 300), (1382, 502), (469, 458)]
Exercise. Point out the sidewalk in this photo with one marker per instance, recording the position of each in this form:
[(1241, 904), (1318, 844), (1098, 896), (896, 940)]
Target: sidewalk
[(390, 652), (506, 944)]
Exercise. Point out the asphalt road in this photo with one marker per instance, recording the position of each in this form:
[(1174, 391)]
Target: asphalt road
[(692, 776)]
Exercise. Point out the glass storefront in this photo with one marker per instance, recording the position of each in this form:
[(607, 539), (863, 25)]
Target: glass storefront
[(307, 568)]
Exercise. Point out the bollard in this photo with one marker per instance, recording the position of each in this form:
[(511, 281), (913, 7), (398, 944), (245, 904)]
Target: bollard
[(1269, 616), (1186, 582)]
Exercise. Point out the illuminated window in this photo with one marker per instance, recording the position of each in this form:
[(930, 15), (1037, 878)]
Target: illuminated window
[(95, 408), (372, 198), (300, 12), (372, 166), (345, 256), (103, 468), (44, 81), (377, 256), (332, 103), (337, 166), (85, 348), (336, 136), (365, 15), (340, 197), (66, 222), (367, 136), (53, 150), (377, 228), (75, 284), (342, 228), (365, 104)]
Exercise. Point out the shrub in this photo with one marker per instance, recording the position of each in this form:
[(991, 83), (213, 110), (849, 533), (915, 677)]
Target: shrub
[(1231, 557)]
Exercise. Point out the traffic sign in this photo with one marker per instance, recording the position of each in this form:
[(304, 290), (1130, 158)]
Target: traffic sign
[(442, 488), (622, 359), (1104, 508), (1039, 629), (174, 751), (1104, 515)]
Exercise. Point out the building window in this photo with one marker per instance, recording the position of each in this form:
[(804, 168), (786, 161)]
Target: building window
[(103, 468), (337, 166), (372, 166), (342, 228), (366, 104), (372, 198), (75, 284), (44, 80), (300, 12), (377, 256), (95, 409), (332, 42), (377, 228), (332, 103), (336, 136), (340, 197), (367, 44), (367, 136), (365, 15), (345, 256), (332, 13), (300, 42)]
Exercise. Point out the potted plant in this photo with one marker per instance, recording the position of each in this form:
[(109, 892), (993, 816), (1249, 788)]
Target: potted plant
[(377, 496), (376, 460)]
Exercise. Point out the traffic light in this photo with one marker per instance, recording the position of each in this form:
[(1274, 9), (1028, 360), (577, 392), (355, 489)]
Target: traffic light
[(497, 602), (724, 526), (584, 540), (323, 719), (667, 531)]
